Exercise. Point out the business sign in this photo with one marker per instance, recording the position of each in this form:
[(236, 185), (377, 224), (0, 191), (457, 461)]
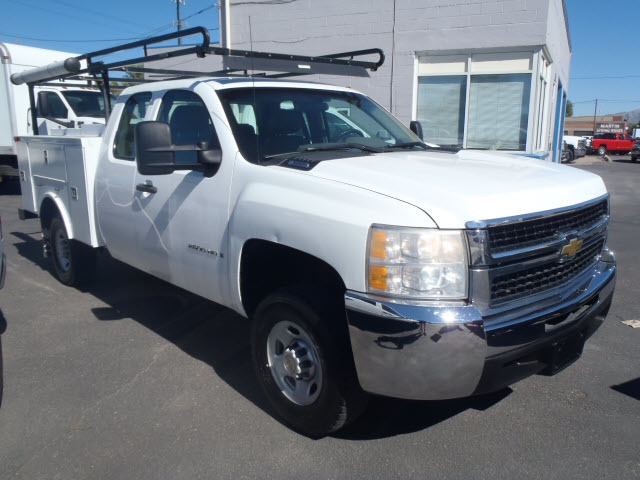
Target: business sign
[(612, 127)]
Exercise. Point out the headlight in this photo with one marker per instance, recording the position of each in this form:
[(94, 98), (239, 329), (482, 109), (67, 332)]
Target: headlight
[(421, 263)]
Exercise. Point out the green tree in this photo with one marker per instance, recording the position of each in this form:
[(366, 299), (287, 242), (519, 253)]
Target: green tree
[(569, 110), (117, 87)]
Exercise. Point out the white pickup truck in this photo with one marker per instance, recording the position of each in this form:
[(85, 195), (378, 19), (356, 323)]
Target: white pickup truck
[(368, 261)]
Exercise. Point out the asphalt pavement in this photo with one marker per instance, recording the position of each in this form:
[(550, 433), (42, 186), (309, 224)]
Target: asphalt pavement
[(134, 378)]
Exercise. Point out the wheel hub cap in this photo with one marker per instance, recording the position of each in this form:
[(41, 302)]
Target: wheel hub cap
[(293, 359), (291, 363), (63, 253)]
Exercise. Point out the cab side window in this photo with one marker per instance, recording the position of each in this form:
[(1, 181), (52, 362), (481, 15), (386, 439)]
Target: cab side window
[(134, 112), (190, 122)]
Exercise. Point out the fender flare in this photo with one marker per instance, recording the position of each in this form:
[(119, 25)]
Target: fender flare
[(61, 208)]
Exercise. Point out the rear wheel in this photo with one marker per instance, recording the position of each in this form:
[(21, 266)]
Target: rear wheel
[(73, 262), (602, 150), (303, 361), (634, 159)]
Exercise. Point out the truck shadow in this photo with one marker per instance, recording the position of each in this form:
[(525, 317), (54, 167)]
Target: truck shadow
[(220, 338), (10, 187), (630, 388), (31, 248), (386, 417)]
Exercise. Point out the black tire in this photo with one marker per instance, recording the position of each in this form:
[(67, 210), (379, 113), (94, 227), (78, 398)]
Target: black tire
[(74, 263), (340, 399), (570, 156), (634, 159), (602, 150)]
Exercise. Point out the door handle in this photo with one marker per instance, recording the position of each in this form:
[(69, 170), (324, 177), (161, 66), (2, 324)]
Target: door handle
[(146, 187)]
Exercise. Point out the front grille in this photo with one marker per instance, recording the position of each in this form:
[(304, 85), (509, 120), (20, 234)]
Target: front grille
[(537, 231), (512, 286)]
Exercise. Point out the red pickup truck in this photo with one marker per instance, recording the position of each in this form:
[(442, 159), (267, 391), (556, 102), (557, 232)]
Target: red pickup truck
[(618, 142)]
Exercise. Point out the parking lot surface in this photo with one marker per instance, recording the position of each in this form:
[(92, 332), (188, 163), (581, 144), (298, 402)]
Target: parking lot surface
[(134, 378)]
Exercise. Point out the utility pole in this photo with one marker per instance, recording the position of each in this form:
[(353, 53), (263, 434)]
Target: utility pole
[(595, 114), (225, 23), (179, 19)]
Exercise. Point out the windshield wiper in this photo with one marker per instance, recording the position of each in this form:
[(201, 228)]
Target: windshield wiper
[(342, 146), (423, 146), (326, 147), (409, 145)]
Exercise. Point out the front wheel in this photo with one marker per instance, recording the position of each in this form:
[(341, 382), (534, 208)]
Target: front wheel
[(602, 150), (634, 159), (569, 158), (302, 358), (73, 262)]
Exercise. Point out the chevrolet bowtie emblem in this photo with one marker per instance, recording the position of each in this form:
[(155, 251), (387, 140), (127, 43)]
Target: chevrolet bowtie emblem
[(572, 248)]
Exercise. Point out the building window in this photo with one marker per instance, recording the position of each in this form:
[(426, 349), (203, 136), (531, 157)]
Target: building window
[(499, 112), (478, 101), (441, 108), (541, 103)]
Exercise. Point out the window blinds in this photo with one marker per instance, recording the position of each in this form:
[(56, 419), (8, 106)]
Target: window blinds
[(499, 111), (441, 104)]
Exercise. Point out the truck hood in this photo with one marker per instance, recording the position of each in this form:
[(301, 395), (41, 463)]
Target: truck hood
[(467, 186)]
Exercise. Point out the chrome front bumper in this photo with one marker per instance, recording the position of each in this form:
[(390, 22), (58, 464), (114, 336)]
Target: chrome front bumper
[(433, 352)]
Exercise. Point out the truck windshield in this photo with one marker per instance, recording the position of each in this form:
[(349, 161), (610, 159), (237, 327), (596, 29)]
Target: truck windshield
[(86, 104), (268, 122)]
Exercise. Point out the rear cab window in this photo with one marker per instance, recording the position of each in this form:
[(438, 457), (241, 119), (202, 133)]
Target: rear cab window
[(133, 112)]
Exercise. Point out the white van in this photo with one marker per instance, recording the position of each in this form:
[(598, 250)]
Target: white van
[(68, 106)]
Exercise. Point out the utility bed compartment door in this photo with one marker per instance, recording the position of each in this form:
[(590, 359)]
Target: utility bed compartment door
[(26, 184), (77, 193), (47, 161)]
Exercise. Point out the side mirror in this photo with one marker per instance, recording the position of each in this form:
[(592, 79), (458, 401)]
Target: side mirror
[(416, 127), (208, 156), (153, 148), (43, 105), (155, 153), (384, 135)]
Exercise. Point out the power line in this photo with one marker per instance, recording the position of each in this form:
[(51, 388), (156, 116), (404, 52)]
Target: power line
[(202, 11), (611, 101), (99, 13), (88, 40), (35, 39), (68, 14), (69, 41), (265, 2), (605, 77)]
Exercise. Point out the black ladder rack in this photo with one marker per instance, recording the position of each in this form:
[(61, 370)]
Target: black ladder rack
[(236, 63)]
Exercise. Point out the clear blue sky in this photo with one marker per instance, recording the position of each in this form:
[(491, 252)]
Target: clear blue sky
[(85, 26), (606, 43), (602, 32)]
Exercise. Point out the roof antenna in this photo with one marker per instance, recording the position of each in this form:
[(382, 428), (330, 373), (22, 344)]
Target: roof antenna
[(253, 83)]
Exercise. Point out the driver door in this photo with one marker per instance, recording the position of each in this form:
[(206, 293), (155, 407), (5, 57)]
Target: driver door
[(181, 223)]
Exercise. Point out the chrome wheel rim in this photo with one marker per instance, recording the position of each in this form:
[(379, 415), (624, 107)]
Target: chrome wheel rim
[(293, 359), (63, 251)]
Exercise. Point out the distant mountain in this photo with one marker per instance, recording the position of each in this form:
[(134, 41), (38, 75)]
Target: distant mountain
[(633, 116)]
